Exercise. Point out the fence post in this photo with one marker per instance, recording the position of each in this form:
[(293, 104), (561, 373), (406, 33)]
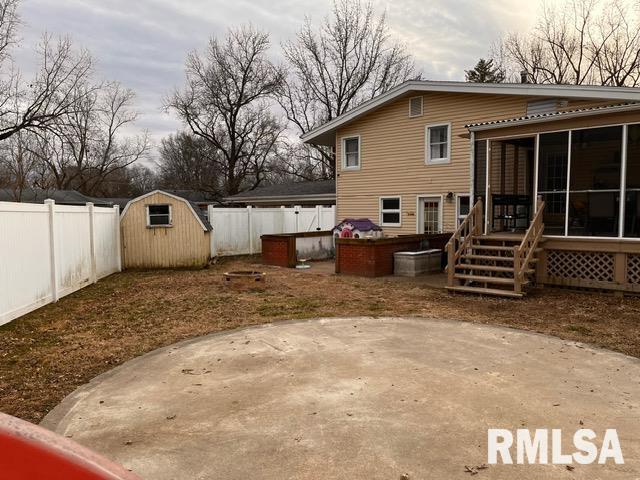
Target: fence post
[(52, 249), (92, 242), (318, 217), (283, 212), (250, 222), (116, 211), (213, 248)]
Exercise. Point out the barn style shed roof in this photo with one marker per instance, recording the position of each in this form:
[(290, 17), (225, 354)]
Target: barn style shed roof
[(192, 206)]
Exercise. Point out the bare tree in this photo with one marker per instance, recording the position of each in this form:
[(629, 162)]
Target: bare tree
[(18, 165), (348, 59), (38, 104), (226, 103), (187, 162), (581, 42), (86, 147)]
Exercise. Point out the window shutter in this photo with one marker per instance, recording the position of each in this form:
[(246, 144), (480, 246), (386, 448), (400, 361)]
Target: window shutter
[(415, 106)]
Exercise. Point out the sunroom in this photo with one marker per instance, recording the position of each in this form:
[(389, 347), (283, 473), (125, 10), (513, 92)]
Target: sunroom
[(583, 166)]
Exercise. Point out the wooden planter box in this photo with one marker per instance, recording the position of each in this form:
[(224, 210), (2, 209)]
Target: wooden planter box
[(373, 257)]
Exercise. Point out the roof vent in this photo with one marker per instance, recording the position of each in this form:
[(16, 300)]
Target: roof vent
[(524, 76), (415, 107), (540, 107)]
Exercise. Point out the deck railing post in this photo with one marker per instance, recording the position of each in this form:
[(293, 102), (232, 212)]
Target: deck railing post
[(451, 267), (517, 285)]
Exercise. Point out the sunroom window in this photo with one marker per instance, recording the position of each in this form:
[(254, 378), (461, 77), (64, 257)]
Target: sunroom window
[(594, 185), (552, 179), (632, 205)]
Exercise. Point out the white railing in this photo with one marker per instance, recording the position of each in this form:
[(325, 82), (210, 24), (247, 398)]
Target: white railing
[(237, 231), (48, 251)]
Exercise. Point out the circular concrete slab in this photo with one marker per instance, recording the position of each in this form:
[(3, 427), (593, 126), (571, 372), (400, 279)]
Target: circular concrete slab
[(353, 399)]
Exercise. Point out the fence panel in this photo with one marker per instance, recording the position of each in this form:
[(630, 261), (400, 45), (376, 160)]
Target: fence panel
[(48, 251), (237, 231)]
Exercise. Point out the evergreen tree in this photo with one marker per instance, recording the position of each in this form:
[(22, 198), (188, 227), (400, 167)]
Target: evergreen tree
[(485, 72)]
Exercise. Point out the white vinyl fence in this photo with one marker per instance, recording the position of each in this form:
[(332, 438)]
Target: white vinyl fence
[(49, 251), (237, 231)]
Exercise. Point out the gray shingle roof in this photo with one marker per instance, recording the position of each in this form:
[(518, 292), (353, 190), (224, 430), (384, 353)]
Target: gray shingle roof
[(292, 189), (38, 195)]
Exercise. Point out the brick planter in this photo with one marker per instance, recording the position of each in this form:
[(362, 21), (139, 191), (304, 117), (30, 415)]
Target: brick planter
[(281, 249), (373, 257)]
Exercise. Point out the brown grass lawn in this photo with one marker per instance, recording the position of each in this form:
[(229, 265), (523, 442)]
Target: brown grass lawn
[(45, 355)]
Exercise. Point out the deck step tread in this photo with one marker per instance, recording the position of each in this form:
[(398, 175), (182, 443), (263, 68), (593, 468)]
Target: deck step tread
[(489, 268), (496, 248), (493, 257), (485, 279), (486, 291)]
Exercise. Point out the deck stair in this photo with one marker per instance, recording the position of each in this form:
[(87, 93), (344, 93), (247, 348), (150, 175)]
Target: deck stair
[(497, 264)]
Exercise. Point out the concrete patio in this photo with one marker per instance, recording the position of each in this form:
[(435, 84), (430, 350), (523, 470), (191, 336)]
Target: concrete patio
[(357, 398)]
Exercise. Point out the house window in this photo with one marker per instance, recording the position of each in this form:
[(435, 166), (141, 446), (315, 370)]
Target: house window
[(351, 153), (463, 207), (390, 211), (438, 143), (158, 215)]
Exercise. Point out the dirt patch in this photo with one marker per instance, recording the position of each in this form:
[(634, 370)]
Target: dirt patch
[(47, 354)]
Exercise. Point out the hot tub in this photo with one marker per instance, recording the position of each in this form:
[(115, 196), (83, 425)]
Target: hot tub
[(412, 264)]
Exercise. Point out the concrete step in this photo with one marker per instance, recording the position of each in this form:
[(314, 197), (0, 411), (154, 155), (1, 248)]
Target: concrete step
[(485, 291)]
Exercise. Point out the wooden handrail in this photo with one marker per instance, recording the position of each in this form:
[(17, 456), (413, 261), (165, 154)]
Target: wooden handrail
[(523, 253), (461, 239)]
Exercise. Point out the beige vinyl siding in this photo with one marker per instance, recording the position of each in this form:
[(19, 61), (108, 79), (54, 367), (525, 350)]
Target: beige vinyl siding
[(393, 155), (184, 244)]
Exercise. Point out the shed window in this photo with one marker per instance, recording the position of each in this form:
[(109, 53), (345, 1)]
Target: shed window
[(158, 215), (351, 153), (390, 211), (438, 143)]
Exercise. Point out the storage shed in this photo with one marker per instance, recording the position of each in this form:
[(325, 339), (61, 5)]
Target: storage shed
[(162, 230)]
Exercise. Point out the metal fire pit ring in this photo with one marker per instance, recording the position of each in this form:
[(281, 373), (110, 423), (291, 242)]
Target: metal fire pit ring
[(244, 276)]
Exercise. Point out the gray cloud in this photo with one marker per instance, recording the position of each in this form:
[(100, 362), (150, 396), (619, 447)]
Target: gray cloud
[(143, 43)]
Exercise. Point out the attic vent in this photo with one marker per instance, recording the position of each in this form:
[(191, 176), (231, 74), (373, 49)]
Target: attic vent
[(539, 107), (415, 106)]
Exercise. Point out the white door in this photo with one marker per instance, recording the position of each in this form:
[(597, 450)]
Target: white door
[(430, 220)]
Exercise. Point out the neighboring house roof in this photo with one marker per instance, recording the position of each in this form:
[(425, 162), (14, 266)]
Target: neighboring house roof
[(192, 206), (193, 195), (325, 134), (545, 117), (39, 195), (321, 190)]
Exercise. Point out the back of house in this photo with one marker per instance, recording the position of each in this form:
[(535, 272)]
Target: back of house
[(417, 158)]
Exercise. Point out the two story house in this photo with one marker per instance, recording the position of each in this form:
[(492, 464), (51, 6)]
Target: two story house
[(551, 169)]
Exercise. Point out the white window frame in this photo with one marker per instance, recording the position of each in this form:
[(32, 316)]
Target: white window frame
[(458, 216), (343, 143), (427, 135), (390, 210), (170, 224), (420, 209), (421, 106)]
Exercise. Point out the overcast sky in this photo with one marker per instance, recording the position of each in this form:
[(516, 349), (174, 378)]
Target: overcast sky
[(143, 43)]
